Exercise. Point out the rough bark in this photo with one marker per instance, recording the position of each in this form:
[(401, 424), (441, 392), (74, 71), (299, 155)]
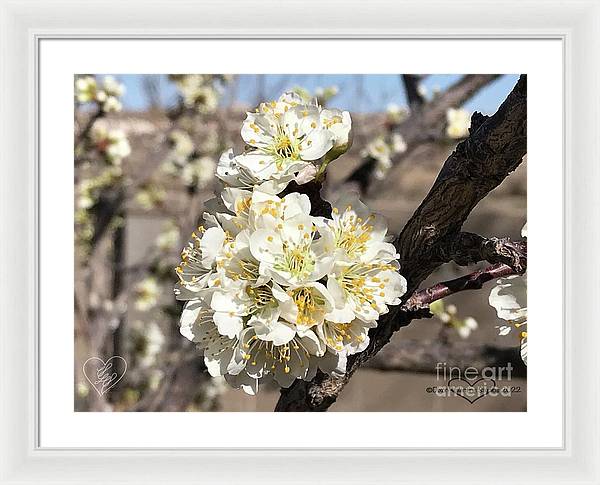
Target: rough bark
[(495, 147), (467, 248)]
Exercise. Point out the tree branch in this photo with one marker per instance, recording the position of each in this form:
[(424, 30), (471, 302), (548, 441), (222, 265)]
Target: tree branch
[(434, 117), (480, 163), (474, 281), (477, 166), (411, 86), (427, 123), (468, 248)]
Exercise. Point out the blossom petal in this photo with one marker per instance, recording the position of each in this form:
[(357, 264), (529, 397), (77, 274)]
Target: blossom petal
[(278, 332), (210, 245), (509, 298), (260, 164), (243, 381), (258, 129), (227, 324), (265, 245), (316, 144), (187, 323)]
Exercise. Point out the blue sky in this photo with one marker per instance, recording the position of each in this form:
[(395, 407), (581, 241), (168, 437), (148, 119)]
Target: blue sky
[(358, 93)]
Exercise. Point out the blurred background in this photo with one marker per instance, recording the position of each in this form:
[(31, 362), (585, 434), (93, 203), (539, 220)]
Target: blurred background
[(146, 147)]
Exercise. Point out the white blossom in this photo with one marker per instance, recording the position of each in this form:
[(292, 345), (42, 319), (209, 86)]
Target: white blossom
[(448, 315), (364, 278), (112, 144), (458, 122), (356, 233), (86, 89), (509, 298), (112, 105), (286, 140), (148, 340), (285, 362), (199, 172), (198, 91), (169, 237), (339, 124), (396, 114), (466, 327), (197, 325), (379, 150), (273, 292), (150, 195), (147, 292), (238, 209), (305, 305), (112, 87), (183, 147), (291, 253), (198, 266), (234, 174), (398, 143), (106, 96)]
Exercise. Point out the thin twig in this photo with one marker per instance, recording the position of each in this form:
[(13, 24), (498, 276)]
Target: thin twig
[(473, 281)]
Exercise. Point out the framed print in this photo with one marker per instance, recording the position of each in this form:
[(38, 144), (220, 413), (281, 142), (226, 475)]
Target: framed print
[(311, 330), (242, 240)]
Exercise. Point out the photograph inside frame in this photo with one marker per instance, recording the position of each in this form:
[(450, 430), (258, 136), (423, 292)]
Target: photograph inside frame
[(294, 242)]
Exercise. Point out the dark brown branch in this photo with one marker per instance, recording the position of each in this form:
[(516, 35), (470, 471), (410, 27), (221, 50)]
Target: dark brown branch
[(479, 164), (423, 356), (467, 248), (411, 86), (104, 212)]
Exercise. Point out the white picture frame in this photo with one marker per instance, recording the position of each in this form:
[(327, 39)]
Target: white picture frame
[(24, 24)]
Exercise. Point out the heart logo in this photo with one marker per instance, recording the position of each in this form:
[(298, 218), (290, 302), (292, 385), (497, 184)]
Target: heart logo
[(471, 392), (103, 376)]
